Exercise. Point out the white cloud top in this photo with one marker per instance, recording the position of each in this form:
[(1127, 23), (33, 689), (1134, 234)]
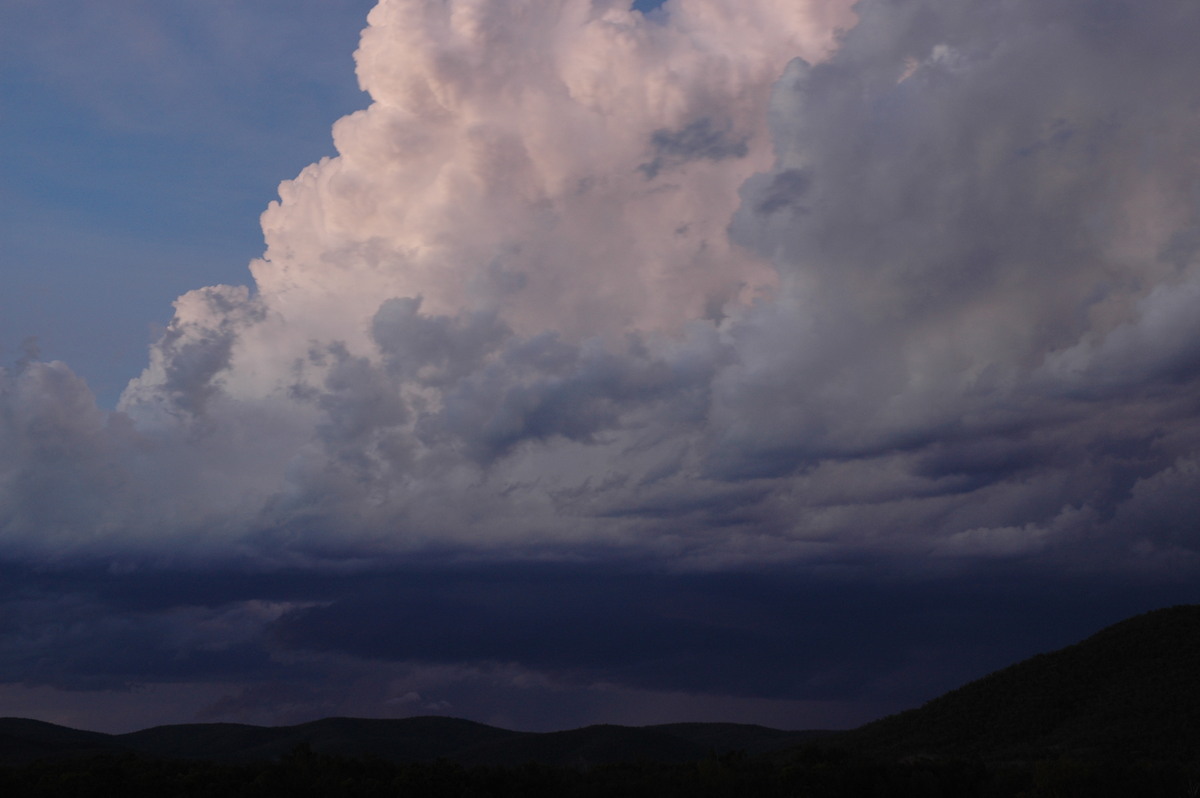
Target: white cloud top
[(719, 286)]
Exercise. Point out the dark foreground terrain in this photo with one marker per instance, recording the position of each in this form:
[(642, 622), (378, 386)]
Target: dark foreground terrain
[(810, 772), (1115, 715)]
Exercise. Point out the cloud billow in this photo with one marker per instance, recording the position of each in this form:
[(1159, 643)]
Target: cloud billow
[(908, 289), (976, 218), (973, 242)]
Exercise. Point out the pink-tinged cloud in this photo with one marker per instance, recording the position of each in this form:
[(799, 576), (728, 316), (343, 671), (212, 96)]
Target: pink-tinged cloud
[(748, 357), (731, 283)]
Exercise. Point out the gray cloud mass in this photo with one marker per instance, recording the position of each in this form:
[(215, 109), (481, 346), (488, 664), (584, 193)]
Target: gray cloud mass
[(723, 378)]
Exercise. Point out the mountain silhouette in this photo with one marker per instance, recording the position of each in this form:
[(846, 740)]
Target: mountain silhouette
[(24, 740), (1129, 692), (419, 739)]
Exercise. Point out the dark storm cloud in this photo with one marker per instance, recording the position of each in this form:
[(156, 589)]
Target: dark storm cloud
[(981, 220), (80, 641), (961, 428), (194, 357), (542, 389), (769, 634), (786, 190), (58, 453), (289, 645), (702, 139), (434, 349), (980, 224), (857, 636)]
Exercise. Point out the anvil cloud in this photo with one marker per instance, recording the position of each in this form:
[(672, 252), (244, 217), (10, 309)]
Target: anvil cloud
[(611, 343)]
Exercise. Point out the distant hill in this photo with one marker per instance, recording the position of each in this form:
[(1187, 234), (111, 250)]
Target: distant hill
[(23, 740), (749, 739), (405, 740), (421, 739), (1129, 692)]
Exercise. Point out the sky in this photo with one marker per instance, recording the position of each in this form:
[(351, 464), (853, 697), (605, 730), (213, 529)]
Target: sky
[(561, 362)]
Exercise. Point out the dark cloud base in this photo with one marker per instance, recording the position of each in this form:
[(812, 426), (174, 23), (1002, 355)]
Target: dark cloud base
[(548, 634), (961, 429)]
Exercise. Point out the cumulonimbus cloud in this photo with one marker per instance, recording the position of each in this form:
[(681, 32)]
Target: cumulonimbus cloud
[(744, 281)]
